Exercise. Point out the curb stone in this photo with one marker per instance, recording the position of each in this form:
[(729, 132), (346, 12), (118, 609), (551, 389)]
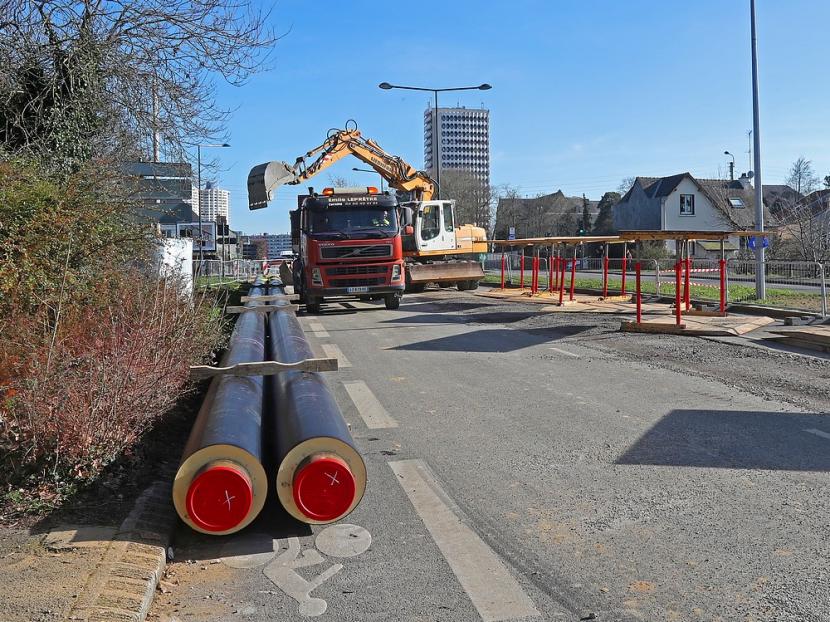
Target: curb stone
[(122, 586)]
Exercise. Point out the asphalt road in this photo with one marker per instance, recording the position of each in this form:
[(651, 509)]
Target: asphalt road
[(535, 469)]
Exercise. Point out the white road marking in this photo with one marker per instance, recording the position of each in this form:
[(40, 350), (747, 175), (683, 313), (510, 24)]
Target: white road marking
[(318, 329), (334, 352), (372, 412), (818, 433), (491, 588), (565, 352)]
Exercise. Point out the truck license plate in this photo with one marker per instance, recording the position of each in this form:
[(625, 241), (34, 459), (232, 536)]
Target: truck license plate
[(357, 290)]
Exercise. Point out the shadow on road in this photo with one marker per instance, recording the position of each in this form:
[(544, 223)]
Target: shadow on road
[(725, 439), (494, 340)]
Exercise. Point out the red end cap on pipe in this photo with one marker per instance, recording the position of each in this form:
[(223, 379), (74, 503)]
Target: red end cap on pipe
[(219, 498), (324, 488)]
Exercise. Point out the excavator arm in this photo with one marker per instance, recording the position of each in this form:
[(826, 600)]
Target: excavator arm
[(264, 179)]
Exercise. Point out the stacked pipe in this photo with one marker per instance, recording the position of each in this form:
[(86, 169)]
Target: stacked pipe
[(320, 476), (221, 486)]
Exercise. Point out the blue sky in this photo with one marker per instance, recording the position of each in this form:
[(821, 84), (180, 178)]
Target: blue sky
[(585, 92)]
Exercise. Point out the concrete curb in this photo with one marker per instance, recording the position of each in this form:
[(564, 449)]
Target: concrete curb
[(122, 587)]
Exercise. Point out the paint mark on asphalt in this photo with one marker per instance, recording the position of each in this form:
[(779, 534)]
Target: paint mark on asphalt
[(372, 412), (334, 352), (490, 586), (565, 352), (318, 329), (818, 433)]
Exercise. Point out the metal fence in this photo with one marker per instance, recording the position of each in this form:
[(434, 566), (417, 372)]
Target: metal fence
[(215, 271), (796, 285)]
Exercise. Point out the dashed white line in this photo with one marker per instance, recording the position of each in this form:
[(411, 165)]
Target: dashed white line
[(318, 329), (820, 433), (334, 352), (565, 352), (490, 586), (372, 412)]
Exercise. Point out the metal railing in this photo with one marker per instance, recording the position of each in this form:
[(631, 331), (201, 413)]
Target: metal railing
[(796, 285), (215, 271)]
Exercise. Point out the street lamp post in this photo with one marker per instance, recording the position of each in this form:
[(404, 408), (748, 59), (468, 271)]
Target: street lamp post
[(760, 269), (731, 166), (481, 87), (368, 170), (199, 192)]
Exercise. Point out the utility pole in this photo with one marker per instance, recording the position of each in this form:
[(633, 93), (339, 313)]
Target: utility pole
[(760, 275)]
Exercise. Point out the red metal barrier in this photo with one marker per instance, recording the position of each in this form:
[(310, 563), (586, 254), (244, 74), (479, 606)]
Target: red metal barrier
[(503, 261), (638, 294), (678, 269), (624, 270), (573, 277), (605, 276), (534, 276), (722, 285), (687, 288), (522, 272), (562, 263)]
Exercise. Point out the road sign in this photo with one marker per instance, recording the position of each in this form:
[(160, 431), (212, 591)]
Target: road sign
[(511, 233), (751, 242)]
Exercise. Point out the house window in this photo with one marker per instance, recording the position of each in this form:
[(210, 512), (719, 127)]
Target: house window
[(687, 205), (736, 202)]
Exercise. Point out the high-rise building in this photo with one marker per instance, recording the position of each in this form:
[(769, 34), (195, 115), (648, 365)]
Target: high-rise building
[(276, 243), (460, 139), (215, 202)]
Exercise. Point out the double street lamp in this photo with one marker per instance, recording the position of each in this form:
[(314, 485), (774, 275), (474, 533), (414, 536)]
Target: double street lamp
[(481, 87), (199, 192)]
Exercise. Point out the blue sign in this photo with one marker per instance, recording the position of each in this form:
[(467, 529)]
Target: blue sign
[(751, 242), (511, 235)]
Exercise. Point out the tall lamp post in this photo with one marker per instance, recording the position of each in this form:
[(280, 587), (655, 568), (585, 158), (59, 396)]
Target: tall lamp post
[(731, 166), (481, 87), (368, 170), (760, 269), (199, 192)]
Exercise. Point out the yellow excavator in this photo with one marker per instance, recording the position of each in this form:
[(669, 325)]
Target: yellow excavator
[(434, 248)]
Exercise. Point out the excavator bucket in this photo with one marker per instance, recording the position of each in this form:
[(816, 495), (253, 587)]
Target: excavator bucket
[(444, 272), (264, 179)]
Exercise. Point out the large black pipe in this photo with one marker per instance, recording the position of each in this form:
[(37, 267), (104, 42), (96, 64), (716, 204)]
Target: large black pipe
[(321, 477), (221, 485)]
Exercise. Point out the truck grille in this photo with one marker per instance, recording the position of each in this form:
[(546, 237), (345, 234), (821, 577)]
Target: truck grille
[(356, 282), (375, 250), (357, 270)]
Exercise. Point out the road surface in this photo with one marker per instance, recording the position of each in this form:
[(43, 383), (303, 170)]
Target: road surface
[(529, 467)]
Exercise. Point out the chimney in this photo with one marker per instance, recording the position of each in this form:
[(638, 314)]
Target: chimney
[(745, 182)]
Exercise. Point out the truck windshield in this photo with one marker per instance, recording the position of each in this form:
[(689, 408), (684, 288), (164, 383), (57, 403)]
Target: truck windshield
[(353, 222)]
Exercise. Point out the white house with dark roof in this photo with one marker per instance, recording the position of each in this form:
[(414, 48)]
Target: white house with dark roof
[(684, 203)]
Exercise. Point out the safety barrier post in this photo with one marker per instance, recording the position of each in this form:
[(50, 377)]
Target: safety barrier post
[(639, 297), (522, 271), (605, 276), (687, 285), (722, 264), (503, 261), (534, 275), (562, 263), (573, 277), (678, 269)]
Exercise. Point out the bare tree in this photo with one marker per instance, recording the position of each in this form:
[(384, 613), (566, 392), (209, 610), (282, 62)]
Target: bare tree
[(473, 197), (97, 78), (805, 233), (802, 178), (625, 185)]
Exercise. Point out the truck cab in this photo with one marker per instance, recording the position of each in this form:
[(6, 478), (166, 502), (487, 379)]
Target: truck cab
[(349, 245)]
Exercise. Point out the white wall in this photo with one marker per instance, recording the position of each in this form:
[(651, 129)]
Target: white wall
[(707, 217)]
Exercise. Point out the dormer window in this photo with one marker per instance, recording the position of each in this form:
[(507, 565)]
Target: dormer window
[(736, 202)]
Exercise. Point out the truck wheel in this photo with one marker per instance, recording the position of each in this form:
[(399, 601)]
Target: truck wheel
[(392, 301), (473, 284)]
